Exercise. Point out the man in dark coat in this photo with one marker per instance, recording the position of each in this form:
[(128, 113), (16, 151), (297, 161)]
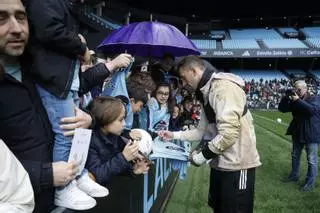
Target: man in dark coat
[(305, 130), (24, 123)]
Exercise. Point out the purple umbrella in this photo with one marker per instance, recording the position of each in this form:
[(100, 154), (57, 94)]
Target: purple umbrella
[(148, 39)]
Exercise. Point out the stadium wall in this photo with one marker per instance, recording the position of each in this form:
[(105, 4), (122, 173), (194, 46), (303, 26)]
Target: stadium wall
[(140, 194)]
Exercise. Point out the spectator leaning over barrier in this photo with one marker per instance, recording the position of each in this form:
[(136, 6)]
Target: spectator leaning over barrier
[(232, 148), (305, 130), (140, 85), (138, 99), (16, 194)]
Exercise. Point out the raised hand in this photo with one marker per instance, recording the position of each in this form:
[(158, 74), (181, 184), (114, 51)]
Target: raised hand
[(131, 151)]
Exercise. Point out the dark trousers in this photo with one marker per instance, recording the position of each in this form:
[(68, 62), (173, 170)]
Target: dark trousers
[(232, 191)]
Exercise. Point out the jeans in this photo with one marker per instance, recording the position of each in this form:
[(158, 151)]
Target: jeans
[(312, 158), (58, 108)]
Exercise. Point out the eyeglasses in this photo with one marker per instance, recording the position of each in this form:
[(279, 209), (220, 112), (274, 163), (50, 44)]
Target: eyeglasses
[(163, 93)]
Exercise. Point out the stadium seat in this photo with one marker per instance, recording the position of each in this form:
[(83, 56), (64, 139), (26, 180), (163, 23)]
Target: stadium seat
[(311, 31), (315, 42), (204, 44), (284, 43), (254, 34), (240, 44)]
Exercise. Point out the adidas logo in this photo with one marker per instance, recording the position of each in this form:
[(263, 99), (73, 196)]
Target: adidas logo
[(246, 53)]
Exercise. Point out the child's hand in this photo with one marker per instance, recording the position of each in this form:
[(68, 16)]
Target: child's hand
[(131, 151), (141, 167), (135, 135)]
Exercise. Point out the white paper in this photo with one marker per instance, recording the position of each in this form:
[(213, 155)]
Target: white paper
[(80, 147), (170, 150)]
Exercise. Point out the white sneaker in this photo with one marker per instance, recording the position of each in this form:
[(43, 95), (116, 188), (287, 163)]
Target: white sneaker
[(73, 198), (93, 189)]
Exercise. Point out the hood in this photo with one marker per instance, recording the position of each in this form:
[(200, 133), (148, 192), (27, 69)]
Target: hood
[(223, 75), (229, 76), (220, 75)]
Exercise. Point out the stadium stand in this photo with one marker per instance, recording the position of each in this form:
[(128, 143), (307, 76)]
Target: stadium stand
[(254, 34), (316, 73), (212, 32), (284, 30), (218, 34), (311, 31), (240, 44), (264, 94), (295, 73), (256, 75), (315, 42), (205, 44), (102, 21), (284, 43)]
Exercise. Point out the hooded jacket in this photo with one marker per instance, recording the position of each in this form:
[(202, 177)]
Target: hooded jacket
[(232, 136)]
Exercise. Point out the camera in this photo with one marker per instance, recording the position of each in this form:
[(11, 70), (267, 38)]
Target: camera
[(290, 92)]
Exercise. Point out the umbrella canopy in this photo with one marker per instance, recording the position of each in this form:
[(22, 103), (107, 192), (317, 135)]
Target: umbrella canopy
[(148, 39)]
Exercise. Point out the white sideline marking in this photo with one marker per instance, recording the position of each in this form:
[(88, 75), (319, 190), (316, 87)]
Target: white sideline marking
[(268, 119), (273, 135)]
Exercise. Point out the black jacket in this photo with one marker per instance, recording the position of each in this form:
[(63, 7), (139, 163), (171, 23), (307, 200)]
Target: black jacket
[(186, 118), (25, 128), (105, 158), (174, 124), (54, 43), (305, 125)]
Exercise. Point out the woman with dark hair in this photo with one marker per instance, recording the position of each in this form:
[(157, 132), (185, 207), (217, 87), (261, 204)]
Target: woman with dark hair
[(160, 107)]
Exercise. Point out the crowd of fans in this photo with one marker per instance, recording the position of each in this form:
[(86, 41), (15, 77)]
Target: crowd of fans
[(55, 86), (47, 64), (264, 94)]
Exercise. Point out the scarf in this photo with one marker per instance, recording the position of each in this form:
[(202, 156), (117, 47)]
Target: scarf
[(209, 70)]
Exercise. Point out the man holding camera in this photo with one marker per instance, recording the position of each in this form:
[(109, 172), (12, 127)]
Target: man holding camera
[(305, 130)]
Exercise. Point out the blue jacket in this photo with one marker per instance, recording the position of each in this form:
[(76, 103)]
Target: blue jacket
[(105, 158), (305, 125)]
